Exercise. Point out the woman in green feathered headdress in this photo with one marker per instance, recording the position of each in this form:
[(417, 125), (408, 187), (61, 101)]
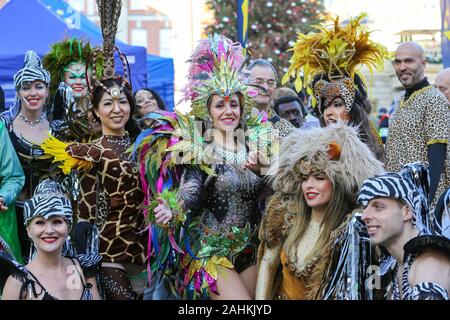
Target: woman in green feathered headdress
[(66, 63)]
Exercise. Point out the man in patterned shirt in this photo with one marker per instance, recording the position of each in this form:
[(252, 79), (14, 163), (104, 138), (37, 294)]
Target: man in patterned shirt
[(416, 258), (420, 125)]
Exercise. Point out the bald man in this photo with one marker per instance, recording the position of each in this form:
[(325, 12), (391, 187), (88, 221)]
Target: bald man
[(442, 82), (420, 125)]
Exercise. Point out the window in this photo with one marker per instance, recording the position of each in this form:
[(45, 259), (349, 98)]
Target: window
[(139, 37), (165, 43)]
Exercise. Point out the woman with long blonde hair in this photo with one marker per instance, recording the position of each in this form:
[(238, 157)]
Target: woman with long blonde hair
[(305, 243)]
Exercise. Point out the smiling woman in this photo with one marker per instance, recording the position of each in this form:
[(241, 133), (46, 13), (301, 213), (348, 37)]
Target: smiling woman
[(215, 188), (110, 191), (48, 219), (346, 100), (68, 90), (309, 218), (28, 123)]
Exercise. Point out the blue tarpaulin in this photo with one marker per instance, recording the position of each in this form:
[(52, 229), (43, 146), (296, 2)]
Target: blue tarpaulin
[(160, 71), (32, 25), (160, 75)]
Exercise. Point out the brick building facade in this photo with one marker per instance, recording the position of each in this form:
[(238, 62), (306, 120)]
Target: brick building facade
[(139, 24)]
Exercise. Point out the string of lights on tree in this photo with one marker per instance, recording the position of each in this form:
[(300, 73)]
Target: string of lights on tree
[(273, 25)]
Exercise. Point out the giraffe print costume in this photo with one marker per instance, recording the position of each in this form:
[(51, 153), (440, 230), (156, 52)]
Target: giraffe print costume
[(111, 197)]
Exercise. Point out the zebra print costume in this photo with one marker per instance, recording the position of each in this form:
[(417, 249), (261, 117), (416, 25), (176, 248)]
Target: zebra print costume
[(442, 214), (48, 201), (410, 185), (32, 70), (423, 290)]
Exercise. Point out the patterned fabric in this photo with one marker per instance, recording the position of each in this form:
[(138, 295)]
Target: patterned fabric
[(421, 291), (329, 91), (389, 270), (442, 214), (31, 71), (429, 291), (111, 198), (421, 120), (4, 247), (281, 128), (223, 201), (391, 185), (48, 201)]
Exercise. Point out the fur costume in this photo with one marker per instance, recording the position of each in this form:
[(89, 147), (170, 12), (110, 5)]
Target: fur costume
[(337, 152)]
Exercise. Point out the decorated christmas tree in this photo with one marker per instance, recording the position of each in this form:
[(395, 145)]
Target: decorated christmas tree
[(272, 25)]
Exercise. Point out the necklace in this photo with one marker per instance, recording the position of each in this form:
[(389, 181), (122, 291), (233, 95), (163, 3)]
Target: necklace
[(119, 144), (32, 123), (229, 156)]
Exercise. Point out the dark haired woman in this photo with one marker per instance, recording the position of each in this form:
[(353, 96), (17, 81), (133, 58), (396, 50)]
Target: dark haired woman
[(147, 100), (28, 123), (110, 191), (332, 76), (346, 100)]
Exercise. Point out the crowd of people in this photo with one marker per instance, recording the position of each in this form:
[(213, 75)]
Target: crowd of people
[(259, 192)]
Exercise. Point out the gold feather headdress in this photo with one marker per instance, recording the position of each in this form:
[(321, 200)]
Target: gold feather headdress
[(334, 52)]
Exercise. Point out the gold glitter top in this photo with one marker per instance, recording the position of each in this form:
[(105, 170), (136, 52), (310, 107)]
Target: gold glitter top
[(307, 242)]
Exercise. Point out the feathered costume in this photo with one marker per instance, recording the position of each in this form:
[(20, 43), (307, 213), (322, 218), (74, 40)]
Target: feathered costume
[(334, 52), (327, 64), (66, 106), (177, 164), (337, 270)]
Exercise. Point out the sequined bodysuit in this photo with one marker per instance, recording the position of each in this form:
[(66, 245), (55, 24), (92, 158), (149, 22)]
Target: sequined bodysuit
[(225, 201)]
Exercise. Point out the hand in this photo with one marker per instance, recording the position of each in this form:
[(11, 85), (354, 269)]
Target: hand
[(255, 161), (163, 214), (3, 207)]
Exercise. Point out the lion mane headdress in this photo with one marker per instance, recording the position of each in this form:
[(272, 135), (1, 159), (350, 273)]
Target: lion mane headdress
[(335, 151)]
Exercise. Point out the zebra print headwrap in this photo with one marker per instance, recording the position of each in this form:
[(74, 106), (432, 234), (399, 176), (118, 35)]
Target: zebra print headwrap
[(32, 71), (48, 200), (410, 185)]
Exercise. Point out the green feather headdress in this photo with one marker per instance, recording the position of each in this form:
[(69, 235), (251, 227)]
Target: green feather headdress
[(224, 82), (64, 53)]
